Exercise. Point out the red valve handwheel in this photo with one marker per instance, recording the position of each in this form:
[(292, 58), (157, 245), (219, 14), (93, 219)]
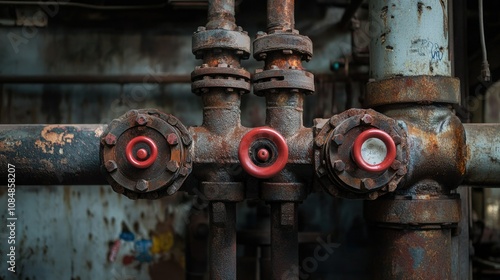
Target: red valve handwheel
[(249, 166), (141, 160), (384, 137)]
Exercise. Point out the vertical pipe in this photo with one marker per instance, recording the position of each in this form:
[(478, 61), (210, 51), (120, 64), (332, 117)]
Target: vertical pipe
[(413, 254), (284, 112), (280, 15), (409, 38), (221, 14), (284, 240), (222, 240)]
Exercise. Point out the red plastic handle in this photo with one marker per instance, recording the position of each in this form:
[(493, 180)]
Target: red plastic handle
[(140, 160), (384, 137), (248, 165)]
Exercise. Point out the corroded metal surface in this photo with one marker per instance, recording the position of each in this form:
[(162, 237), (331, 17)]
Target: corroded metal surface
[(436, 139), (419, 89), (166, 172), (52, 154), (483, 154), (409, 254), (414, 213), (413, 236), (339, 174), (280, 14)]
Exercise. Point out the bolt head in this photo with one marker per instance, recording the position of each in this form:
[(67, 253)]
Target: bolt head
[(262, 56), (338, 139), (367, 119), (396, 139), (110, 165), (392, 186), (274, 67), (141, 119), (142, 185), (260, 34), (339, 165), (201, 28), (110, 139), (396, 165), (172, 139), (367, 184), (172, 166)]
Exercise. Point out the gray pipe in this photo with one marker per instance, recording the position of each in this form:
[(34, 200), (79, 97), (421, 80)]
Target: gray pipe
[(409, 38), (483, 149)]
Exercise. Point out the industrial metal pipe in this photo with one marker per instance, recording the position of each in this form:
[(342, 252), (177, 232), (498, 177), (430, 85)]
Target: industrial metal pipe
[(409, 38), (483, 154), (222, 240), (280, 15), (52, 154), (221, 15), (150, 78)]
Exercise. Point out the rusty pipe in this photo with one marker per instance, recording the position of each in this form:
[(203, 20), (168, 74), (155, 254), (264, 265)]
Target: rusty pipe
[(483, 154), (221, 14), (280, 15), (284, 240), (52, 154), (150, 78), (222, 240)]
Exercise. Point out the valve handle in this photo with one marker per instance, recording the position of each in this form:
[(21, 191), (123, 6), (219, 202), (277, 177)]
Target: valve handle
[(141, 158), (374, 150), (265, 165)]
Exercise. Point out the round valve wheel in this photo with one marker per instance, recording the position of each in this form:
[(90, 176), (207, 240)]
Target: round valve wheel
[(139, 157), (374, 150), (263, 152)]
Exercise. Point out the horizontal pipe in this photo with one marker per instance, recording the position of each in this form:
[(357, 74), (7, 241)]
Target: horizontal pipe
[(51, 154), (483, 153), (143, 79), (97, 79)]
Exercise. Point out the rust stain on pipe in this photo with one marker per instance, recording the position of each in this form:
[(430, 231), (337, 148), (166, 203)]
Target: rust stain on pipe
[(53, 137)]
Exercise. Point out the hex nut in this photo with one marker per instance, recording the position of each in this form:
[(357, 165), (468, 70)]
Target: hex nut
[(142, 185)]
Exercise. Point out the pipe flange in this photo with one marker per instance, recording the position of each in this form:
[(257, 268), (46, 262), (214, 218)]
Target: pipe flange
[(415, 213), (223, 76), (208, 40), (275, 79), (413, 89), (279, 41), (144, 154), (361, 154)]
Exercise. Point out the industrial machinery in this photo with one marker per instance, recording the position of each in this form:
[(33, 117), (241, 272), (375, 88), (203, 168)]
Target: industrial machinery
[(405, 153)]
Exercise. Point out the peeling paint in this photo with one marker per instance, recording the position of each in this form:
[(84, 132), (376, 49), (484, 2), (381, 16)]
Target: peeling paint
[(50, 136), (8, 146)]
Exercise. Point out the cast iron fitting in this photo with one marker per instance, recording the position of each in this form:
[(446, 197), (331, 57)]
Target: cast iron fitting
[(288, 43), (414, 89), (224, 76), (360, 154), (293, 80), (212, 40), (144, 154), (263, 152)]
